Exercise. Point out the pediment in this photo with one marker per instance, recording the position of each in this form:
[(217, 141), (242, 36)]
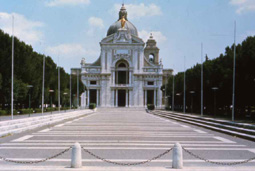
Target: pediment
[(122, 37)]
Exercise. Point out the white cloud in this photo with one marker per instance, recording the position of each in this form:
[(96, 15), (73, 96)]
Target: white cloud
[(243, 5), (53, 3), (137, 11), (25, 29), (157, 35), (70, 51), (96, 22)]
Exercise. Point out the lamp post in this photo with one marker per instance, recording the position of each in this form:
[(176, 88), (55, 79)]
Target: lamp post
[(12, 66), (173, 95), (192, 93), (234, 75), (73, 100), (77, 71), (164, 94), (70, 89), (29, 101), (178, 94), (184, 86), (214, 99), (51, 91)]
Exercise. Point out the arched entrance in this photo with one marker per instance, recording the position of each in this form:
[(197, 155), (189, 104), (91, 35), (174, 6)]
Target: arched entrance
[(122, 79), (121, 75)]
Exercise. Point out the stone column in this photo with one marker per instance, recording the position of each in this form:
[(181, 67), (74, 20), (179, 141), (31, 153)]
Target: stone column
[(112, 97), (130, 98), (116, 97), (88, 97), (145, 99), (126, 98), (130, 77), (113, 77), (97, 97), (155, 97), (159, 98)]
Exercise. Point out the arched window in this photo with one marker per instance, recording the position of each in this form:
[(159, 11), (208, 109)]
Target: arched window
[(122, 73), (151, 57), (122, 65)]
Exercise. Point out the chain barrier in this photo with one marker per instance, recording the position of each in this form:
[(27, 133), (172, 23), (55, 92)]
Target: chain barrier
[(218, 163), (127, 164), (36, 161)]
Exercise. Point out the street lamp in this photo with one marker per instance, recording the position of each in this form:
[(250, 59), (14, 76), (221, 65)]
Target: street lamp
[(51, 91), (177, 98), (192, 93), (214, 98), (77, 71), (29, 102)]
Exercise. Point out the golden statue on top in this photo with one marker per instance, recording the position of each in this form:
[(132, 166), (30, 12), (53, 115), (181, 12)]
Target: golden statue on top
[(123, 21)]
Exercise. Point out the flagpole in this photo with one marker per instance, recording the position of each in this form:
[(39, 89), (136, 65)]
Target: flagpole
[(173, 95), (43, 84), (234, 75), (58, 89), (70, 89), (202, 86), (184, 88), (12, 67)]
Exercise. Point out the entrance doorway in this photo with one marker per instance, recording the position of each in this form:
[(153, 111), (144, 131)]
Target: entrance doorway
[(93, 96), (150, 97), (121, 98)]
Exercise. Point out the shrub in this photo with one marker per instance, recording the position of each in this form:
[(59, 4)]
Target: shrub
[(65, 108), (92, 106), (26, 111), (50, 109), (151, 106), (3, 112), (38, 110)]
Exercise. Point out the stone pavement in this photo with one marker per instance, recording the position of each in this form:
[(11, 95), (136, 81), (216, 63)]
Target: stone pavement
[(125, 135)]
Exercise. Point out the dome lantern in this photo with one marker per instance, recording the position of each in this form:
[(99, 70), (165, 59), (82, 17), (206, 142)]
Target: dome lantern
[(117, 25), (123, 12)]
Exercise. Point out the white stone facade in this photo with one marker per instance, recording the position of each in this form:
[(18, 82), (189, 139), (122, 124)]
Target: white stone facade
[(123, 75)]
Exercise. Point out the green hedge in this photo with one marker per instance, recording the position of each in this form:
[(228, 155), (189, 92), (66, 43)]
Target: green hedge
[(151, 106), (3, 112), (25, 111), (92, 106), (50, 109)]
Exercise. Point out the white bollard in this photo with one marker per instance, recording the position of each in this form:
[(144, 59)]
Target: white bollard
[(177, 162), (76, 160)]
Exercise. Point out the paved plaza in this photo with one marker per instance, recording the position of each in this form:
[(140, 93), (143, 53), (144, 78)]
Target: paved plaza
[(124, 135)]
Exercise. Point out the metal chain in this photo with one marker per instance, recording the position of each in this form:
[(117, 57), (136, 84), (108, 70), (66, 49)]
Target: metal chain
[(218, 163), (127, 164), (37, 161)]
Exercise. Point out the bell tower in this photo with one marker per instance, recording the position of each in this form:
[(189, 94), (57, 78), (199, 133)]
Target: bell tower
[(151, 51)]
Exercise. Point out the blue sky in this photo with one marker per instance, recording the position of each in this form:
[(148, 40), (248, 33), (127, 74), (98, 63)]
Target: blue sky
[(68, 30)]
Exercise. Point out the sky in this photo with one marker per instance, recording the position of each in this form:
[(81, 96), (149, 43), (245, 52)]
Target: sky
[(69, 30)]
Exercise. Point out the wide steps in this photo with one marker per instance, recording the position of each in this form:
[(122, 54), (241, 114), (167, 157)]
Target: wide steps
[(237, 130), (20, 125)]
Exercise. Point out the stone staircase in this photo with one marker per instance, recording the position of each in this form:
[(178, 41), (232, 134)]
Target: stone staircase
[(246, 131), (120, 109)]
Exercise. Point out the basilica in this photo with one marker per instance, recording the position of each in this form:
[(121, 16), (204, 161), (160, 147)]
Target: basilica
[(127, 73)]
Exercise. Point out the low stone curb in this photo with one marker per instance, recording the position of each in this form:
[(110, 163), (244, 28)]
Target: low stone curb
[(20, 125)]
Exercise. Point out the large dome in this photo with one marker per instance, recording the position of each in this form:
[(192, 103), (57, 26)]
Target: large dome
[(117, 25)]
